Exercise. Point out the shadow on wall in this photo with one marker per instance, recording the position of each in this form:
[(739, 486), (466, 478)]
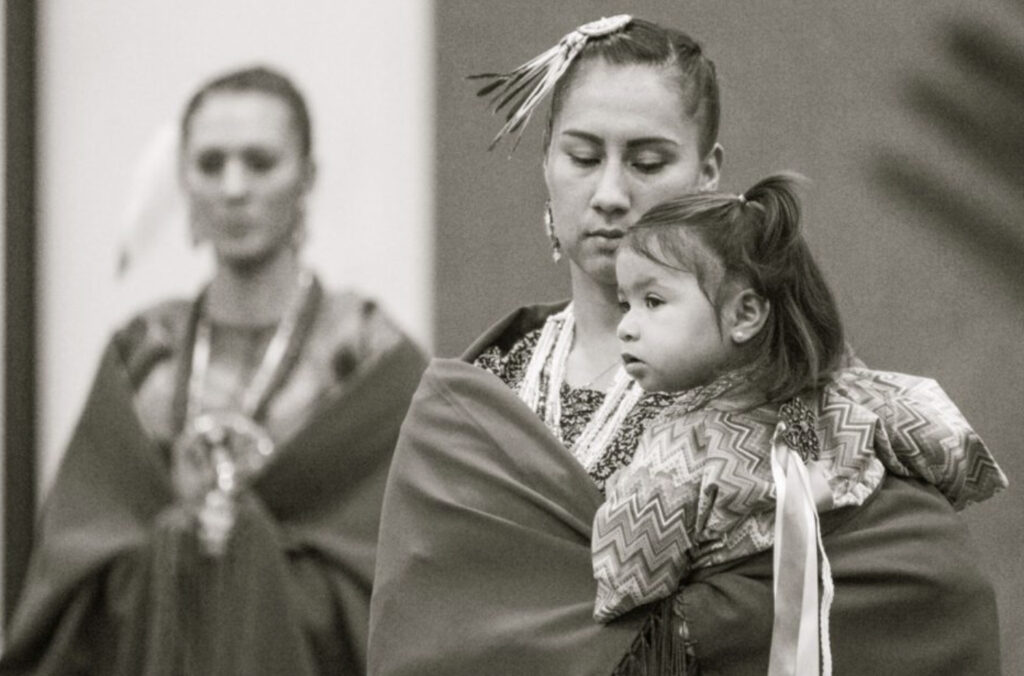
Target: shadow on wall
[(978, 108)]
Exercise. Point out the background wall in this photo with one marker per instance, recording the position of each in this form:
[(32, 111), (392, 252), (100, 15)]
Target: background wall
[(908, 215), (114, 78), (3, 272)]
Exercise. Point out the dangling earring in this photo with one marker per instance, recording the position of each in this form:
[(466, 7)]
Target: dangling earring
[(549, 224)]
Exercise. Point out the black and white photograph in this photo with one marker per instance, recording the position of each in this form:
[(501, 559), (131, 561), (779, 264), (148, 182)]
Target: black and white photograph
[(517, 338)]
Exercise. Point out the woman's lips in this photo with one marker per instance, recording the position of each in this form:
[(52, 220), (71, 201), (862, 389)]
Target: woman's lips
[(607, 233)]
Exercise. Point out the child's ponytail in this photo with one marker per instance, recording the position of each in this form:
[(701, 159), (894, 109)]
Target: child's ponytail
[(802, 341)]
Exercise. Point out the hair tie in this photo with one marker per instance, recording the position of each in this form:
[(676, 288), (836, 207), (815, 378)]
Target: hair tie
[(522, 89)]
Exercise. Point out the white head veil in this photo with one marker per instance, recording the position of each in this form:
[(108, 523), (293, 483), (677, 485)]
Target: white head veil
[(156, 258)]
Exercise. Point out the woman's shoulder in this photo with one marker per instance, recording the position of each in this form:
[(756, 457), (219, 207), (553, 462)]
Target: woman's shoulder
[(509, 362), (915, 430), (353, 329), (896, 399), (152, 335), (506, 347), (511, 329), (155, 321)]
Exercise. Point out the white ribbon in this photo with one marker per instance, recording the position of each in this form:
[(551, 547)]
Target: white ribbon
[(800, 632)]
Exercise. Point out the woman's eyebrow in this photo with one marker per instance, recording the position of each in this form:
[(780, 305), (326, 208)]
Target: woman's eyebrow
[(584, 136), (651, 141), (641, 142)]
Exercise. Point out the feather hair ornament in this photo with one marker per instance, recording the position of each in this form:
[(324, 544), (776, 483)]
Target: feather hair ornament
[(522, 90)]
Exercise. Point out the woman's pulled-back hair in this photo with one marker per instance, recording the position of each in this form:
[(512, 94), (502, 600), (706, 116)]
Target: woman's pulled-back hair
[(754, 239), (645, 43), (256, 79)]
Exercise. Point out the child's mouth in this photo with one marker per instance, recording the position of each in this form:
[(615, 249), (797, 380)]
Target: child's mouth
[(633, 366)]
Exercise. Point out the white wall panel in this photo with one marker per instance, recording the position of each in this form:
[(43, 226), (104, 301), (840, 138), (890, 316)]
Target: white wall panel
[(116, 72)]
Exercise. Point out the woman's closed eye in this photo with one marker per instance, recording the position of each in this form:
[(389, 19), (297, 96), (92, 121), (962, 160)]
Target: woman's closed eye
[(649, 163), (584, 160), (649, 167), (259, 161), (210, 163)]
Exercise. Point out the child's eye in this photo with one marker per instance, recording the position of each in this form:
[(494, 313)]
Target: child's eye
[(652, 302), (623, 306)]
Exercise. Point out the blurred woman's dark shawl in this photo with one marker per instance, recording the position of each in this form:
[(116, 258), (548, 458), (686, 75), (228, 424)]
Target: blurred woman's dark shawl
[(119, 586), (484, 562)]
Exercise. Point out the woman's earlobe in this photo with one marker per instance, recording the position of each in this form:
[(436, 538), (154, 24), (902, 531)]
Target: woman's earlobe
[(712, 168)]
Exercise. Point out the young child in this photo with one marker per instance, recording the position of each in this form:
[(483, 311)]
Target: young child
[(724, 304)]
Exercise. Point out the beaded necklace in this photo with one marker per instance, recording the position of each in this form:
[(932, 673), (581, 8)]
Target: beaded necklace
[(551, 356), (216, 453)]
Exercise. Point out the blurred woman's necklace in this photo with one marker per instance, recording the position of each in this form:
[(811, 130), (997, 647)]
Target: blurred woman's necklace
[(216, 453), (552, 355), (256, 394)]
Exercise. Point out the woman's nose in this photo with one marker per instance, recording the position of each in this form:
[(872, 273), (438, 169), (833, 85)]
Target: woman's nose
[(235, 180), (611, 195)]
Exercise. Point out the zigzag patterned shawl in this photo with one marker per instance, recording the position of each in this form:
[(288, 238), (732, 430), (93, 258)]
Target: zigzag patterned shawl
[(699, 491)]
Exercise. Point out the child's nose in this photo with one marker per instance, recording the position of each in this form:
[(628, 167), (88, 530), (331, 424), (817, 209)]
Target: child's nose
[(627, 329)]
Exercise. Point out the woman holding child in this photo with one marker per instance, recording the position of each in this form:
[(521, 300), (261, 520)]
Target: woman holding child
[(486, 561)]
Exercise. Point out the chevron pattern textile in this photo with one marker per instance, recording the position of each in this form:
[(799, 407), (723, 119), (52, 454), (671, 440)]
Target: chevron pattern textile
[(919, 432), (700, 490)]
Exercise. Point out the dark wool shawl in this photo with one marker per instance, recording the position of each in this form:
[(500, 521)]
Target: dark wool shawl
[(484, 564), (117, 585)]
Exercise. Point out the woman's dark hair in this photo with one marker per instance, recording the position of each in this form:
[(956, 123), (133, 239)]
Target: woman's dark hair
[(256, 79), (754, 239), (646, 43)]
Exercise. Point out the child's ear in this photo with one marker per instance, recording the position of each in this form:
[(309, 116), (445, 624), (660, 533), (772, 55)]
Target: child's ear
[(748, 312)]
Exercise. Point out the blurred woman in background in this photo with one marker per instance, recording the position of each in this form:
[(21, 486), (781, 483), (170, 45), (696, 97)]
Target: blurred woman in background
[(217, 509)]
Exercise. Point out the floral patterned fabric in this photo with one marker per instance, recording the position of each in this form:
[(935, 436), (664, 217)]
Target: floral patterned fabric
[(578, 405)]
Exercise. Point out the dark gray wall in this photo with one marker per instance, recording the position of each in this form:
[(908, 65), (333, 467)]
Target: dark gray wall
[(926, 273)]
